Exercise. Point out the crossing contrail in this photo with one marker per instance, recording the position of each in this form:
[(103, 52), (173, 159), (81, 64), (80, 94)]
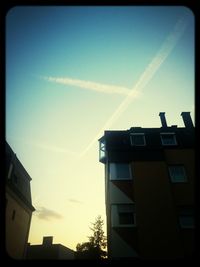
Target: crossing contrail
[(162, 54), (164, 51)]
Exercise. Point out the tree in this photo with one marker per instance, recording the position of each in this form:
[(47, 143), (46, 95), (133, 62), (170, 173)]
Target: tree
[(95, 248)]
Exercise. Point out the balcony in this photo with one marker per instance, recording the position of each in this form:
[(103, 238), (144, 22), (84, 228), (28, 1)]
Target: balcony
[(102, 151)]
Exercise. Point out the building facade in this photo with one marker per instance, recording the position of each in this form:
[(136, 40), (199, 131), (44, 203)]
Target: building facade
[(18, 206), (48, 250), (149, 190)]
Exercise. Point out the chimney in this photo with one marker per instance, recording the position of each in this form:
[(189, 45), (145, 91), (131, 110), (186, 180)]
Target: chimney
[(47, 240), (187, 119), (163, 120)]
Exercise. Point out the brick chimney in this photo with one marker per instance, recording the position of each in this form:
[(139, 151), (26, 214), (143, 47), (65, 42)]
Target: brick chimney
[(47, 241), (187, 119), (163, 119)]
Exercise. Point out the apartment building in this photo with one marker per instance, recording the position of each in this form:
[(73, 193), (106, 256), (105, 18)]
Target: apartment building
[(149, 191)]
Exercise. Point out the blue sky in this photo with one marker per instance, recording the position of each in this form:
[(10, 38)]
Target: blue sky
[(58, 61)]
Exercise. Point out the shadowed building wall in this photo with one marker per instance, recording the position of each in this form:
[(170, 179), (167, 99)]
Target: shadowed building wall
[(18, 206), (48, 250)]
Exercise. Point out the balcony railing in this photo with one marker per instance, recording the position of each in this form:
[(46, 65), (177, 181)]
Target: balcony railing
[(102, 151)]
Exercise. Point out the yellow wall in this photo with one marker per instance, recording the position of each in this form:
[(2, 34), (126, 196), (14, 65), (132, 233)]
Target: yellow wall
[(17, 230), (155, 211), (183, 193)]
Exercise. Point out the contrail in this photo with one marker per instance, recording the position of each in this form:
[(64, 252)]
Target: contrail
[(98, 87), (47, 147), (56, 149), (146, 76)]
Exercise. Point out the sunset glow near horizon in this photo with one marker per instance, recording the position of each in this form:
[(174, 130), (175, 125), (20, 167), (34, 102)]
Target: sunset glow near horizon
[(73, 72)]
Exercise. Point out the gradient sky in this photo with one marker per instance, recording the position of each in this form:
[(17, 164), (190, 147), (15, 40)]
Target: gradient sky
[(73, 72)]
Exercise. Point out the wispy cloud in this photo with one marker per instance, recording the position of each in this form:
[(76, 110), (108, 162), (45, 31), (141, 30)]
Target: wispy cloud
[(164, 51), (74, 201), (47, 214), (98, 87)]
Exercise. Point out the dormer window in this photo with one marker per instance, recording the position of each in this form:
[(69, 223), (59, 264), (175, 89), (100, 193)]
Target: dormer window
[(168, 139), (137, 139)]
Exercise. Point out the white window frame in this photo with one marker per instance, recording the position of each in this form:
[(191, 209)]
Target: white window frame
[(136, 134), (113, 172), (169, 133), (115, 220), (172, 178)]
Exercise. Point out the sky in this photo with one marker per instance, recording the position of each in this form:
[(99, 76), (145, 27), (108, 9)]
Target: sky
[(71, 74)]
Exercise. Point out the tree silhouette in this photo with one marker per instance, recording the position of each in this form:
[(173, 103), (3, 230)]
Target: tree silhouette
[(95, 248)]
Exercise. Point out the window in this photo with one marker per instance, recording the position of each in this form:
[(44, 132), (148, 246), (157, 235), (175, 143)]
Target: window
[(13, 215), (137, 139), (126, 218), (177, 174), (168, 139), (120, 171), (123, 215), (186, 217)]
